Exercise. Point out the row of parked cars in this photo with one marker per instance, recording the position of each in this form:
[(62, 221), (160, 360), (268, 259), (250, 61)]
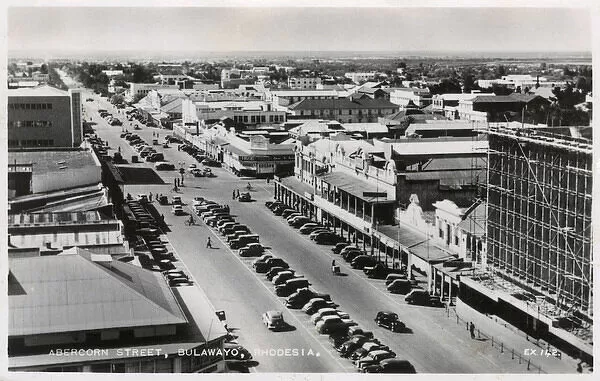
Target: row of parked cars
[(109, 118), (351, 341), (317, 232), (199, 155), (237, 235), (396, 279), (144, 150), (151, 251)]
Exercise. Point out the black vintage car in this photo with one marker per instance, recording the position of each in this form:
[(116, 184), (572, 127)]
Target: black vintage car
[(389, 320)]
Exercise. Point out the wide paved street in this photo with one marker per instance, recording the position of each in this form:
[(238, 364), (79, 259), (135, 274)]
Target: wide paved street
[(436, 343)]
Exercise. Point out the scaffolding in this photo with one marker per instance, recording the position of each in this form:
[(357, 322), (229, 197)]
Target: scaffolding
[(540, 214)]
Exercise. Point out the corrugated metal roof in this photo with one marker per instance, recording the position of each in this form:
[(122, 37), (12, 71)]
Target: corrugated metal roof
[(65, 293), (354, 186)]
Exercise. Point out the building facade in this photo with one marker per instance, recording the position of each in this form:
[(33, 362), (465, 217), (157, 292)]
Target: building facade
[(540, 215), (44, 117), (303, 83)]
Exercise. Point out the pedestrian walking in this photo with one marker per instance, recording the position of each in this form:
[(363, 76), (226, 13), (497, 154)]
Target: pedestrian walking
[(208, 243), (233, 194), (150, 197), (237, 193), (472, 330)]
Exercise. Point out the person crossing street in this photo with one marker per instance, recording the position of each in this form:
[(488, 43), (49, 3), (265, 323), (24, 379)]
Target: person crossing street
[(208, 243)]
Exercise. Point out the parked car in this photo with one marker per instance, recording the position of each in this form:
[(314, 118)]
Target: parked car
[(291, 286), (289, 212), (314, 304), (389, 320), (374, 358), (327, 238), (164, 166), (282, 277), (177, 210), (350, 345), (400, 286), (268, 264), (351, 254), (273, 320), (309, 227), (301, 297), (379, 271), (262, 259), (331, 324), (317, 232), (391, 365), (361, 261), (392, 277), (327, 311), (211, 163), (272, 273), (423, 298), (298, 221), (251, 250)]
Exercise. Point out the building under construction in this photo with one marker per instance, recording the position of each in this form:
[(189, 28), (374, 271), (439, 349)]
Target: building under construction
[(539, 230)]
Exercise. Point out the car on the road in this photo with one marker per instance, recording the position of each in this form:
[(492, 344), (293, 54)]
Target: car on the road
[(273, 320), (243, 240), (174, 272), (225, 224), (309, 227), (154, 157), (197, 172), (164, 166), (351, 248), (290, 286), (176, 200), (177, 210), (363, 260), (251, 250), (391, 365), (245, 197), (374, 358), (89, 99), (278, 211), (389, 320)]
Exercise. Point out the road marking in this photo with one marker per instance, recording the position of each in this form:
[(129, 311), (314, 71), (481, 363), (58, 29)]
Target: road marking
[(277, 298)]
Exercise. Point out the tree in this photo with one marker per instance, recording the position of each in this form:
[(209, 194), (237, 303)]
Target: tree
[(501, 70), (137, 98), (501, 89), (44, 69), (446, 86), (468, 82), (117, 99)]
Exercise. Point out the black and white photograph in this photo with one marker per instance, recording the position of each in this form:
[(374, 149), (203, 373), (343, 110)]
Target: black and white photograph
[(307, 191)]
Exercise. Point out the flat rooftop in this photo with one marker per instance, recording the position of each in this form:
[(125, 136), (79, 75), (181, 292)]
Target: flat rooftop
[(53, 160), (39, 91)]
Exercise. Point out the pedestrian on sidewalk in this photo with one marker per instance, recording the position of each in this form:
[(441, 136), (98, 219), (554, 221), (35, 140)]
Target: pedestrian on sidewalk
[(472, 330), (208, 243), (233, 194), (150, 197), (237, 193)]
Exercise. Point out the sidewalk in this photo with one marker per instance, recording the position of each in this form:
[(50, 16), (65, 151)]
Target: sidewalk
[(506, 339)]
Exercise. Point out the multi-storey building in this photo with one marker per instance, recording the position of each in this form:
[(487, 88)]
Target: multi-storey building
[(539, 234), (303, 83), (361, 77), (344, 110), (403, 97), (44, 117), (142, 89)]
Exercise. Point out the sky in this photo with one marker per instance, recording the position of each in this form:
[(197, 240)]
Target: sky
[(189, 29)]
